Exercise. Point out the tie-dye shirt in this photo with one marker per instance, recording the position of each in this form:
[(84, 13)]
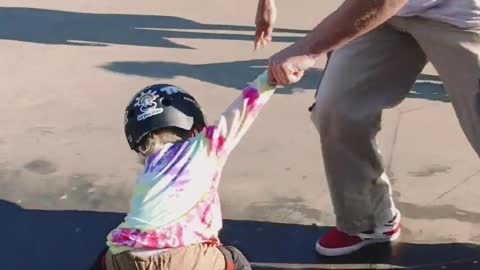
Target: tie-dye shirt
[(175, 202)]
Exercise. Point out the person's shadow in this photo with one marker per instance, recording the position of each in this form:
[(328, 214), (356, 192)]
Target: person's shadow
[(40, 239), (229, 74), (236, 74), (47, 26)]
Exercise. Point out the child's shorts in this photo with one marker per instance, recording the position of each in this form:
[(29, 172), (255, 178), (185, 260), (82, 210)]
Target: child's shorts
[(195, 257)]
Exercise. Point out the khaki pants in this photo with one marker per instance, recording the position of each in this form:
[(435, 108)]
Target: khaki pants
[(374, 72), (195, 257)]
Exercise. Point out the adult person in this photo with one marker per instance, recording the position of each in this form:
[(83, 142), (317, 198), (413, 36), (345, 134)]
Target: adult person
[(378, 48)]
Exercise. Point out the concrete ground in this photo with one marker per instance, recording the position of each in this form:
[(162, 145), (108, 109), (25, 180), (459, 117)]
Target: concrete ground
[(68, 68)]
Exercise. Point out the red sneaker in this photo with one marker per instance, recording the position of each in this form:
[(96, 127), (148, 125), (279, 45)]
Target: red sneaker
[(337, 243)]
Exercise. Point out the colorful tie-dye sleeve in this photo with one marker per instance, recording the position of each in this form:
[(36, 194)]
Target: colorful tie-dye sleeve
[(239, 116)]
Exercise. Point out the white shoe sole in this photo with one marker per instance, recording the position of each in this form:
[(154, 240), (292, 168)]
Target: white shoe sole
[(331, 252)]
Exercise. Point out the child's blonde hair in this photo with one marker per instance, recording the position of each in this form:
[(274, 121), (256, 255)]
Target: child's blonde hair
[(154, 141)]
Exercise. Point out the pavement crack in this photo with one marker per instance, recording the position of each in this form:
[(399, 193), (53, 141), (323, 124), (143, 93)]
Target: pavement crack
[(423, 107), (457, 185)]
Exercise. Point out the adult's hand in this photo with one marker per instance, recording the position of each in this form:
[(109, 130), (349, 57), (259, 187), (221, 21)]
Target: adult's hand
[(264, 20), (288, 66)]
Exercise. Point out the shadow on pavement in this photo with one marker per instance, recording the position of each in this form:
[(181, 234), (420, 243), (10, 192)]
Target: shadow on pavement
[(41, 239), (228, 74), (90, 29), (429, 87), (236, 74), (47, 26)]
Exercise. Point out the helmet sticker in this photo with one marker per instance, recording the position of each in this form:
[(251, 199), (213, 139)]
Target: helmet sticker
[(169, 90), (147, 104)]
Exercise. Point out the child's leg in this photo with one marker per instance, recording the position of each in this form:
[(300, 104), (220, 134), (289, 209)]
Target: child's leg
[(197, 257), (125, 261)]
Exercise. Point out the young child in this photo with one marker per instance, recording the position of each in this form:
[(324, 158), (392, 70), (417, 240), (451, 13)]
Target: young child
[(175, 214)]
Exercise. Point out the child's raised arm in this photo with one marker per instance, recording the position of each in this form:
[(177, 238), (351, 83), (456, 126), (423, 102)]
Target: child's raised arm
[(239, 116)]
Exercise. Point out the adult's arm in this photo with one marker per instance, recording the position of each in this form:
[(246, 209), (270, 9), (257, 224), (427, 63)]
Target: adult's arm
[(351, 20)]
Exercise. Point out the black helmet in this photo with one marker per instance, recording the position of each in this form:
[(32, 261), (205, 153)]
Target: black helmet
[(161, 106)]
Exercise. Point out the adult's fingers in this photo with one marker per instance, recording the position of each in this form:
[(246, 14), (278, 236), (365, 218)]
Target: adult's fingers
[(295, 77), (271, 77), (267, 35), (258, 37), (286, 74), (280, 74)]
